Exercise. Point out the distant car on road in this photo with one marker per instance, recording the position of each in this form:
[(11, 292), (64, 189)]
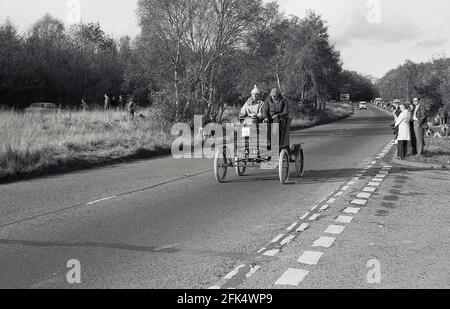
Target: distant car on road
[(363, 105), (42, 108)]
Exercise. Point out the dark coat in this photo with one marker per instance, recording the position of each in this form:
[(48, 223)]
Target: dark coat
[(278, 108), (421, 116)]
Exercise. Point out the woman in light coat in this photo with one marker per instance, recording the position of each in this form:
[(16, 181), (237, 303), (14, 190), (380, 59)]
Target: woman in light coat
[(403, 123)]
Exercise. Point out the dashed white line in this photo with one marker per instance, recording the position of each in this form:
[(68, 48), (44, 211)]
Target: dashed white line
[(305, 216), (377, 180), (359, 202), (314, 217), (290, 228), (335, 229), (287, 240), (352, 210), (272, 252), (324, 242), (345, 188), (364, 195), (325, 207), (369, 189), (302, 228), (234, 272), (374, 184), (277, 239), (252, 271), (344, 219), (314, 207), (292, 277), (311, 258)]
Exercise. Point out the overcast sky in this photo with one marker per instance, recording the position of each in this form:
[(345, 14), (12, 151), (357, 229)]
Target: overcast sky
[(373, 36)]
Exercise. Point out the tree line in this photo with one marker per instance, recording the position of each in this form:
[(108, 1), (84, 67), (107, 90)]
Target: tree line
[(428, 80), (192, 57)]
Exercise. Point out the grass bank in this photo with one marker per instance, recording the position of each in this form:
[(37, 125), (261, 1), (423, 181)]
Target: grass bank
[(333, 112), (34, 145), (437, 151)]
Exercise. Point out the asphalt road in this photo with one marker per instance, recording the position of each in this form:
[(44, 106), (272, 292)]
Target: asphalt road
[(166, 223)]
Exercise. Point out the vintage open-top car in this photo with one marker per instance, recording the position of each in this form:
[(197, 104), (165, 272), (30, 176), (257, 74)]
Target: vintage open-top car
[(255, 150)]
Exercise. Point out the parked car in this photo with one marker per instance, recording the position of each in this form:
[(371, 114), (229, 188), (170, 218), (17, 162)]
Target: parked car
[(363, 105), (42, 108)]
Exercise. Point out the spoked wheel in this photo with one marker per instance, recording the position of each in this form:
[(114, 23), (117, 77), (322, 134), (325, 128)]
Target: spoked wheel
[(220, 165), (283, 166), (240, 171), (300, 163)]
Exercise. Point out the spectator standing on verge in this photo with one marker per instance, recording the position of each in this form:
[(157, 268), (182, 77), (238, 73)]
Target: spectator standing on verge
[(420, 125), (131, 108), (444, 115), (84, 106), (121, 102), (107, 102), (403, 123)]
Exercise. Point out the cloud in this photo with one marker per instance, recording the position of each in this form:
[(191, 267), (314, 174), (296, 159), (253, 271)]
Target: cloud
[(431, 43)]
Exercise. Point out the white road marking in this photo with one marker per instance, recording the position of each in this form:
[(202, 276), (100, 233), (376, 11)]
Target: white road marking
[(335, 229), (311, 258), (234, 272), (369, 167), (261, 250), (325, 207), (304, 216), (374, 184), (351, 183), (359, 202), (380, 176), (277, 239), (314, 208), (288, 240), (344, 219), (359, 175), (345, 188), (370, 189), (364, 195), (340, 193), (290, 228), (352, 210), (292, 277), (373, 162), (377, 180), (331, 201), (314, 217), (324, 242), (302, 227), (101, 200), (272, 252), (252, 271)]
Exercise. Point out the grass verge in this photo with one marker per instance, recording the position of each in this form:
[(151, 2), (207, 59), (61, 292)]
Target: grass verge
[(437, 151), (33, 145)]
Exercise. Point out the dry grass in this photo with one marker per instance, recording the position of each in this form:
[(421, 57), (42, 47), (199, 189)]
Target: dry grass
[(333, 112), (437, 151), (34, 144)]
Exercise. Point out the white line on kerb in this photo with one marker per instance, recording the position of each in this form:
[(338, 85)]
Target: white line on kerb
[(292, 277), (101, 200), (234, 272)]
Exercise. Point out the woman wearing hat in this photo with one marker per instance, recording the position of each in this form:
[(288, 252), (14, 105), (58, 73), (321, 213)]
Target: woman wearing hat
[(255, 108)]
